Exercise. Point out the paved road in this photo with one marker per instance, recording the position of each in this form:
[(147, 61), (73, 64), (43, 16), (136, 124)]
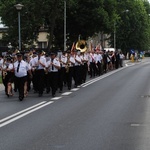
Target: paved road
[(110, 112)]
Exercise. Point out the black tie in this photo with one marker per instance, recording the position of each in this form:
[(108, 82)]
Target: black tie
[(52, 65), (18, 66)]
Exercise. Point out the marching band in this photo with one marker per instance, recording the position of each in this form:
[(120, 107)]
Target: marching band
[(50, 72)]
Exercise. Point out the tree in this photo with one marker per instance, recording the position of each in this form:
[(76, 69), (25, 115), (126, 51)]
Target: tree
[(133, 27)]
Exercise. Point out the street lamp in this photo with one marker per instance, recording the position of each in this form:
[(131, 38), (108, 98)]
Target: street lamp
[(64, 25), (19, 7)]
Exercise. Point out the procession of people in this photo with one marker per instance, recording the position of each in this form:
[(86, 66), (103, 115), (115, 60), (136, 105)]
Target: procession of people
[(43, 72)]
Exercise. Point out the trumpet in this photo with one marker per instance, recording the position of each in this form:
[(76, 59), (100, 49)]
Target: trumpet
[(81, 45), (4, 74)]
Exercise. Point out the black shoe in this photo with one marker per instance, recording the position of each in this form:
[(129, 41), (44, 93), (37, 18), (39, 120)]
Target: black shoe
[(7, 94), (40, 95), (60, 91), (69, 88), (47, 91), (53, 95), (20, 98)]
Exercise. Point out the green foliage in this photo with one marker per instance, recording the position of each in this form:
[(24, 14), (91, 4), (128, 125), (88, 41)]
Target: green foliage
[(84, 18)]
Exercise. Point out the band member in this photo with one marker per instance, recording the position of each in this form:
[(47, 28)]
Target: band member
[(47, 81), (62, 71), (77, 69), (33, 68), (27, 86), (21, 69), (84, 59), (7, 76), (53, 65), (70, 68), (39, 63), (99, 59), (92, 60)]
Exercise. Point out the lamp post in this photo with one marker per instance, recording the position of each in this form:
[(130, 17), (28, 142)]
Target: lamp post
[(19, 7), (115, 36), (64, 25)]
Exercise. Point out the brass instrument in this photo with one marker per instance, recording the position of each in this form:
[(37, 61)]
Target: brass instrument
[(81, 45), (68, 64), (4, 74)]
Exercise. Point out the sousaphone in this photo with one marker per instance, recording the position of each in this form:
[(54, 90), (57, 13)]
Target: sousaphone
[(81, 45)]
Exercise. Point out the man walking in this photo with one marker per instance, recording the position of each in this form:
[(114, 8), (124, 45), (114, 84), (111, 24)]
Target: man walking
[(20, 68)]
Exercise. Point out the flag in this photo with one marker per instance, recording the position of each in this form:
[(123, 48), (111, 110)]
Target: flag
[(98, 47), (73, 47)]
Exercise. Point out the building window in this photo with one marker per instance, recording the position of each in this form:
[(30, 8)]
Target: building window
[(42, 44)]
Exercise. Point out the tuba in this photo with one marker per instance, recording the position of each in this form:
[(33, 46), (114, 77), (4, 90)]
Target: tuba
[(81, 45)]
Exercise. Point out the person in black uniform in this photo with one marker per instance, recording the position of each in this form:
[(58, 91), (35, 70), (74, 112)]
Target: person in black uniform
[(39, 63), (53, 66), (20, 69)]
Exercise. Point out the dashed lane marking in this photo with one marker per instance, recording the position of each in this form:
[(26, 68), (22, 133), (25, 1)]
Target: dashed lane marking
[(66, 93), (75, 89), (56, 98)]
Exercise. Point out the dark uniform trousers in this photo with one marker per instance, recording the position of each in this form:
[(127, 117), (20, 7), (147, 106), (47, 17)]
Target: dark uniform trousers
[(53, 77), (20, 81), (77, 75), (39, 75), (84, 72), (92, 69), (69, 76), (99, 68), (61, 77)]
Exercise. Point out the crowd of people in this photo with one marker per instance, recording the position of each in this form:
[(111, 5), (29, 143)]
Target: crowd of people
[(50, 72)]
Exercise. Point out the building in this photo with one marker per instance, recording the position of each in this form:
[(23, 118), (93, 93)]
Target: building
[(42, 41)]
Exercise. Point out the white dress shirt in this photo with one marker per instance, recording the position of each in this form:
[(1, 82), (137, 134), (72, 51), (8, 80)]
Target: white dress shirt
[(23, 68), (55, 62), (77, 60), (99, 58), (63, 60), (36, 64)]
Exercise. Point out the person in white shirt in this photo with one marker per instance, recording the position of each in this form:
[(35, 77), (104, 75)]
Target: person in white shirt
[(62, 71), (20, 68), (77, 68), (70, 68), (99, 59), (84, 59), (92, 66), (121, 59), (39, 63), (7, 76), (53, 66)]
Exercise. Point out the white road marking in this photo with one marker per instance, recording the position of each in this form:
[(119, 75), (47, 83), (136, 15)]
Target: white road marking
[(56, 98), (75, 89), (101, 77), (20, 112), (66, 93), (135, 125), (24, 114)]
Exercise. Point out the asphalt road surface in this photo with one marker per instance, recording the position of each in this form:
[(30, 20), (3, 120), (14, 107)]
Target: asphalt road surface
[(110, 112)]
